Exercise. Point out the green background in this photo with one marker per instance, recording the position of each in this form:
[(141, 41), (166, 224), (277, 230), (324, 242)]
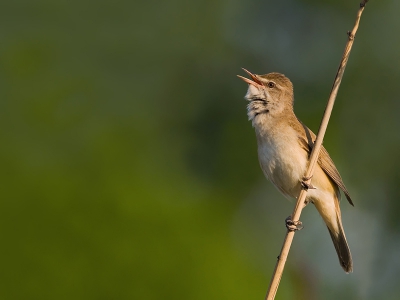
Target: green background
[(129, 169)]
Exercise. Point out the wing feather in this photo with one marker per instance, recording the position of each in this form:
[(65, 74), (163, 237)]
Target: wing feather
[(324, 161), (326, 164)]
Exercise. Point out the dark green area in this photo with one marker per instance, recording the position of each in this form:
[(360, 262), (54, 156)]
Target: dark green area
[(129, 169)]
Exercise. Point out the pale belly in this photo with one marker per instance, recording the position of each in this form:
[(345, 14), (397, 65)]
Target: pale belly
[(284, 163)]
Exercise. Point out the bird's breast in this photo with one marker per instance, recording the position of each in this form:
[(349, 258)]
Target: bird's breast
[(282, 159)]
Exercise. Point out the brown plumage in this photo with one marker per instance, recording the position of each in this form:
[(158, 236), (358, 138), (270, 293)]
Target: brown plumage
[(284, 146)]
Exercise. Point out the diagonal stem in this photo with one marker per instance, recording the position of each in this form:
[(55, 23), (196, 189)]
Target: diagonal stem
[(280, 264)]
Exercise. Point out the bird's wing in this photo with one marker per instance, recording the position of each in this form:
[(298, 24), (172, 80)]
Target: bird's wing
[(326, 164), (324, 161)]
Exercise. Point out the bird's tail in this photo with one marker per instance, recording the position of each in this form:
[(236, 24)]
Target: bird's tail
[(341, 246)]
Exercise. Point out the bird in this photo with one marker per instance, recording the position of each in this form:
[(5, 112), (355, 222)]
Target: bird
[(284, 146)]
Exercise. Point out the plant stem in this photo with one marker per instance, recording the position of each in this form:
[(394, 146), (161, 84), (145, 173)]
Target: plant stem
[(280, 264)]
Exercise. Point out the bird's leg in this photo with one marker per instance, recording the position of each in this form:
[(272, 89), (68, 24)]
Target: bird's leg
[(293, 225), (307, 186)]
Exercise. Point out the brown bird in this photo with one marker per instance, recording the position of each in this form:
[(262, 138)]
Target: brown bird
[(284, 147)]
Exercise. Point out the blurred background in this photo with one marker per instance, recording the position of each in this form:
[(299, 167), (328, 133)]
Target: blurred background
[(129, 169)]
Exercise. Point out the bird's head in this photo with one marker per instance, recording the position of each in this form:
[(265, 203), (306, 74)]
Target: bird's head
[(271, 93)]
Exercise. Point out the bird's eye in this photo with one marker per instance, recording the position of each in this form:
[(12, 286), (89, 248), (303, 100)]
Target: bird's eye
[(271, 84)]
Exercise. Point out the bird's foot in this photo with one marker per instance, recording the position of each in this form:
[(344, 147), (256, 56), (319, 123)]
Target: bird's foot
[(293, 225), (307, 186)]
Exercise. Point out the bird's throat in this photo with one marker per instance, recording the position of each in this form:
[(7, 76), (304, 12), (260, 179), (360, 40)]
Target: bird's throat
[(256, 109)]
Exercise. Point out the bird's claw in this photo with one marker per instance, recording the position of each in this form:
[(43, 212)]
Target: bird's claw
[(293, 225), (307, 186)]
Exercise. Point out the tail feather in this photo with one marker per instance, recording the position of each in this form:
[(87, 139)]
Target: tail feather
[(342, 248)]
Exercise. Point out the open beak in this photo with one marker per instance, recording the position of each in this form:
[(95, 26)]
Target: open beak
[(256, 82)]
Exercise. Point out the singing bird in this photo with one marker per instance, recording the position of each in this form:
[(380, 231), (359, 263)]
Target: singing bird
[(284, 146)]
